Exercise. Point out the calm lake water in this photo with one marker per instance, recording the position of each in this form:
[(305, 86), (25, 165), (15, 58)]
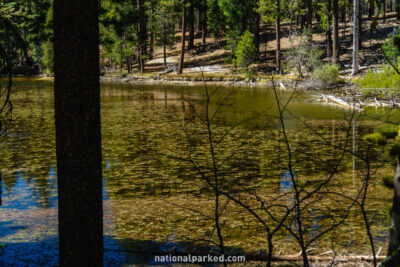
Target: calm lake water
[(153, 197)]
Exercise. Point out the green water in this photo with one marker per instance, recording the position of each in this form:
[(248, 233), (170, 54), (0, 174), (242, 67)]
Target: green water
[(155, 199)]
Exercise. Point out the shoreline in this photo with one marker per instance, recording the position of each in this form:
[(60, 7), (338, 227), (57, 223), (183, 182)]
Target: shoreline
[(345, 94), (187, 80), (281, 82)]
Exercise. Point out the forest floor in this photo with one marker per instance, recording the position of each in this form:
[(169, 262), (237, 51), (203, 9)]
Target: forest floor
[(210, 58)]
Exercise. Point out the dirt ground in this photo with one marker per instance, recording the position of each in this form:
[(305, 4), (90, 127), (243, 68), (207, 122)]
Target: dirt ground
[(212, 54)]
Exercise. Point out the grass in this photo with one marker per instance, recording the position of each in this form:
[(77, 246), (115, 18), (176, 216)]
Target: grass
[(386, 79)]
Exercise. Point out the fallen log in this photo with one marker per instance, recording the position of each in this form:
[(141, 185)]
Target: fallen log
[(343, 103), (172, 68)]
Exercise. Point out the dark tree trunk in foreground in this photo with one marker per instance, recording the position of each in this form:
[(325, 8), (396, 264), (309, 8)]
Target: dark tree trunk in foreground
[(394, 237), (182, 58), (78, 136), (336, 46)]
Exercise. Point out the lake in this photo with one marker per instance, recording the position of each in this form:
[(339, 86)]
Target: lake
[(156, 200)]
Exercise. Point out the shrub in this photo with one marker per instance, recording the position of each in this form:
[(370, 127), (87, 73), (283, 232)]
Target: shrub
[(389, 131), (388, 182), (327, 75), (391, 49), (48, 57), (395, 150), (304, 58), (386, 79), (376, 138), (246, 52)]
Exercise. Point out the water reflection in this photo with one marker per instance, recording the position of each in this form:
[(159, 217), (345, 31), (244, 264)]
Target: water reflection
[(354, 140), (1, 188), (27, 192), (141, 127), (286, 183)]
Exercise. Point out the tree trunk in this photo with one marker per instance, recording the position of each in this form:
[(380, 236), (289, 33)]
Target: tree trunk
[(151, 52), (329, 29), (198, 19), (355, 37), (204, 21), (24, 45), (336, 45), (165, 54), (257, 32), (309, 14), (278, 37), (128, 63), (394, 236), (360, 23), (78, 135), (371, 11), (140, 35), (384, 10), (291, 19), (182, 59), (351, 14), (164, 42), (191, 25)]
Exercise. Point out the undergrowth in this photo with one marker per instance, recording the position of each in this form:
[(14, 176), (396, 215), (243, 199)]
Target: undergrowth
[(386, 79)]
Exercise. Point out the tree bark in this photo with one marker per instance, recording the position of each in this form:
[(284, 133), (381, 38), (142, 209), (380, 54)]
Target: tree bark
[(204, 33), (182, 58), (140, 35), (371, 11), (384, 10), (278, 37), (257, 32), (21, 41), (198, 19), (78, 135), (128, 63), (151, 52), (191, 25), (164, 42), (336, 45), (309, 14), (355, 37), (360, 23), (291, 19), (329, 29)]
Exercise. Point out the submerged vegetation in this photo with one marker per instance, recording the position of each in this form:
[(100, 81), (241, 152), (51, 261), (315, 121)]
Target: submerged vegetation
[(159, 201), (260, 172)]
